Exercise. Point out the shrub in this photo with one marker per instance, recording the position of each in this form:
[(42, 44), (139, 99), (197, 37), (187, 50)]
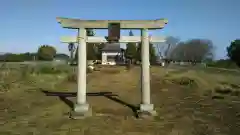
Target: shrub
[(185, 81), (222, 64), (49, 70)]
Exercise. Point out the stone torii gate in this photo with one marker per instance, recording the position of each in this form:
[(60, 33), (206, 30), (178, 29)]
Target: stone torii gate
[(81, 107)]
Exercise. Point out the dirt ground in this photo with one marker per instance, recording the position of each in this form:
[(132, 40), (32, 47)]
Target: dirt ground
[(188, 102)]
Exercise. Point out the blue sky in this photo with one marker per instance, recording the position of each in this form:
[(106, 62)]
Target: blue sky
[(26, 24)]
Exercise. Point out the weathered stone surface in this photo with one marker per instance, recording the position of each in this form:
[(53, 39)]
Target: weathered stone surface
[(103, 24), (123, 39), (147, 114), (81, 111), (146, 111)]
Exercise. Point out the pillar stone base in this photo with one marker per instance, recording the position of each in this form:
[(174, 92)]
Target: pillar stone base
[(81, 111), (146, 111)]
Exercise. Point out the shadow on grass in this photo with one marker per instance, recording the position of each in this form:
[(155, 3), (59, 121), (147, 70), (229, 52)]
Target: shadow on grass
[(63, 96)]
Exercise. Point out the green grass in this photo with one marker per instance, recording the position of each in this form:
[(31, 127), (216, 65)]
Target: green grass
[(184, 99)]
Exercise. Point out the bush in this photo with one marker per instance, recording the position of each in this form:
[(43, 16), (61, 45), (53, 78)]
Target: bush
[(222, 64), (185, 81), (49, 70)]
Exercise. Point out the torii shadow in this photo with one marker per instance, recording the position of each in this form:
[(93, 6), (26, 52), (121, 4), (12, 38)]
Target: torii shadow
[(63, 96)]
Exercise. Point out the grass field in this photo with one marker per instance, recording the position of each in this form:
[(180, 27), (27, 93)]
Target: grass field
[(188, 102)]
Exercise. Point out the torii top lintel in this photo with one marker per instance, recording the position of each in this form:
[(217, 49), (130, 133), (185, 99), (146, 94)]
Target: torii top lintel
[(103, 24)]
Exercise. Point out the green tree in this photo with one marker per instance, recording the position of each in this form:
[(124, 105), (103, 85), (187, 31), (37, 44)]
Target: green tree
[(17, 57), (131, 50), (14, 58), (91, 52), (46, 53), (233, 51), (99, 50), (76, 54), (91, 47), (152, 53)]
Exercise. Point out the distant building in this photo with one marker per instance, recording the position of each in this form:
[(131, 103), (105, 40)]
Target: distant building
[(112, 54)]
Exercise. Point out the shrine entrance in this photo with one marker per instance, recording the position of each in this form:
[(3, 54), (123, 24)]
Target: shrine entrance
[(82, 108)]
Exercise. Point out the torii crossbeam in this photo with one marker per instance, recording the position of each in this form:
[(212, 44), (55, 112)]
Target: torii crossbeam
[(81, 107), (123, 39)]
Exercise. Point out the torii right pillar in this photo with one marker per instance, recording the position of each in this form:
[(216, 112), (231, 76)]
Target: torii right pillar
[(146, 108)]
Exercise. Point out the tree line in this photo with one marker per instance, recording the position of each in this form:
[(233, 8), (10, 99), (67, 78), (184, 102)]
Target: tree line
[(201, 50), (133, 52), (193, 50), (44, 53)]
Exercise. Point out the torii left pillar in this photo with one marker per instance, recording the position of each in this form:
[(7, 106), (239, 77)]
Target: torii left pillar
[(81, 107), (146, 108)]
